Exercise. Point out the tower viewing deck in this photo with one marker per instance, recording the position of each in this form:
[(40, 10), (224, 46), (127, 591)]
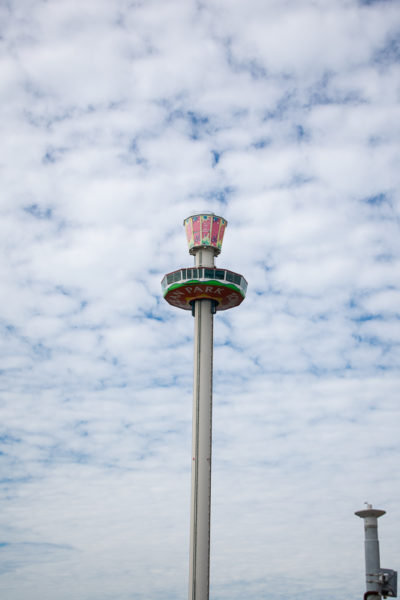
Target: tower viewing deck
[(182, 287)]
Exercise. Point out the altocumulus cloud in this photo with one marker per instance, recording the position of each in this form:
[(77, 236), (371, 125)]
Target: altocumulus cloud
[(120, 119)]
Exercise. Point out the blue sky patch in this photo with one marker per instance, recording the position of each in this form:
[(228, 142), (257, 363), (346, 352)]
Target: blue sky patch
[(38, 212), (377, 199)]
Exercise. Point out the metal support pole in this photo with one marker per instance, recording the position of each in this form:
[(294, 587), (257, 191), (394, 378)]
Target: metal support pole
[(199, 569), (372, 559)]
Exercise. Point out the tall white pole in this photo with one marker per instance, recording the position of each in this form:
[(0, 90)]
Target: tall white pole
[(203, 290), (372, 560), (199, 569)]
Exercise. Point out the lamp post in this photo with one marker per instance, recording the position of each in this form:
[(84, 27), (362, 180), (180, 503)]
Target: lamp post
[(379, 582)]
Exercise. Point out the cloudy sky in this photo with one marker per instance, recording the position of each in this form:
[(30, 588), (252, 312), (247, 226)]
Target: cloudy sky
[(119, 119)]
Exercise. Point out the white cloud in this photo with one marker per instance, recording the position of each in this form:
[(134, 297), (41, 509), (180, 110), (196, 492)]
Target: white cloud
[(119, 121)]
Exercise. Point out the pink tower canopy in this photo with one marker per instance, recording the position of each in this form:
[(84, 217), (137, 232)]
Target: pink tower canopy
[(205, 230)]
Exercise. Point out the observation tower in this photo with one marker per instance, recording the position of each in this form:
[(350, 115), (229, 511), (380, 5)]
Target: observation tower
[(203, 289)]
